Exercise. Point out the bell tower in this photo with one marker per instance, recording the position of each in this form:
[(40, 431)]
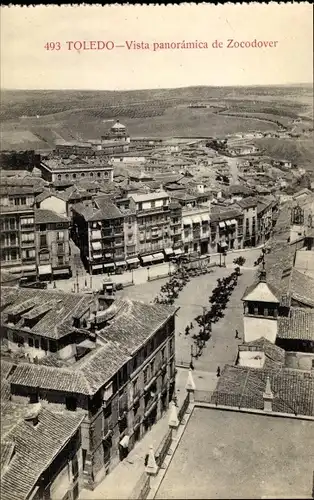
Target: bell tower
[(260, 309)]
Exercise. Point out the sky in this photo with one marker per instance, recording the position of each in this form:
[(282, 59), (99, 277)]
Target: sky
[(27, 64)]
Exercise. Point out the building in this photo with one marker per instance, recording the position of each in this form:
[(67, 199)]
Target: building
[(122, 383), (57, 169), (153, 225), (66, 149), (52, 244), (18, 252), (98, 231), (175, 229), (195, 229), (249, 208), (53, 201), (117, 132), (266, 213), (226, 229), (45, 466)]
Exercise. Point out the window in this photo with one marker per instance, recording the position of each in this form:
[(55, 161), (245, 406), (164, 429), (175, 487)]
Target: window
[(44, 344), (18, 339), (153, 204), (107, 411), (43, 241), (91, 174), (171, 347), (66, 176), (70, 403), (60, 260), (163, 354), (135, 388), (30, 342), (106, 174), (98, 174), (59, 177), (82, 174), (53, 346), (152, 368), (145, 375), (60, 235)]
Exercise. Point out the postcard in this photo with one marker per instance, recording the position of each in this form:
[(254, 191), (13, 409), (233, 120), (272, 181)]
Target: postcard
[(157, 251)]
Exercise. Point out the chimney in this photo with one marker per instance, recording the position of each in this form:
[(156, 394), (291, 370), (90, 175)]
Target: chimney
[(268, 396), (151, 466), (32, 416)]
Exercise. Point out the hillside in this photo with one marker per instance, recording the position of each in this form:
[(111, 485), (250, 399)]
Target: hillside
[(37, 119)]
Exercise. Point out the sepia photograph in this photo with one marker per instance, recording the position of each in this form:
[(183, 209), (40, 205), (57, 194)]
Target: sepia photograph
[(157, 252)]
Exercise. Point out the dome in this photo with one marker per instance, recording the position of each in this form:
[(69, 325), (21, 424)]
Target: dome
[(118, 126)]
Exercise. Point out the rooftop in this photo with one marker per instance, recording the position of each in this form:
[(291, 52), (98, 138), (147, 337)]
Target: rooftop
[(103, 209), (43, 216), (293, 389), (58, 308), (298, 325), (56, 164), (24, 456), (243, 456), (143, 320), (149, 196), (249, 202)]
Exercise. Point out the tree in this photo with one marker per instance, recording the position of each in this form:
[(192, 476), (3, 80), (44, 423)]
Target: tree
[(239, 261)]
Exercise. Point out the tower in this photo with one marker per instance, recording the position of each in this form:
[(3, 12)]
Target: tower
[(261, 305)]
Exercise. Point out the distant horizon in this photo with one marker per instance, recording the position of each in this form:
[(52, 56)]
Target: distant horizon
[(292, 84)]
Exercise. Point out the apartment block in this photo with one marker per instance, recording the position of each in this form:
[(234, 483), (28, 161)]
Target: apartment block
[(153, 225), (98, 231)]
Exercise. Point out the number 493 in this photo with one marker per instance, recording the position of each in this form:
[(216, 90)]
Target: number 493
[(52, 46)]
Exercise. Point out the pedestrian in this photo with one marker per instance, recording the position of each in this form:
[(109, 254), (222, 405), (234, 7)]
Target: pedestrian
[(146, 459), (237, 334), (218, 371), (187, 330), (191, 325)]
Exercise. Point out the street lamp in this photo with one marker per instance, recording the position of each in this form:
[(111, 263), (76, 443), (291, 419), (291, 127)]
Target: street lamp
[(77, 282), (148, 276), (132, 274)]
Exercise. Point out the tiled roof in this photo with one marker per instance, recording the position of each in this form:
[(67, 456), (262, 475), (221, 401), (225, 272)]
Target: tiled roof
[(302, 288), (58, 164), (34, 448), (293, 390), (298, 325), (135, 323), (106, 210), (58, 319), (139, 197), (46, 194), (274, 355), (235, 189), (86, 376), (248, 202), (219, 214), (43, 216)]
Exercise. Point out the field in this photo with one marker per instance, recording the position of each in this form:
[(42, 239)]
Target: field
[(37, 119), (299, 151)]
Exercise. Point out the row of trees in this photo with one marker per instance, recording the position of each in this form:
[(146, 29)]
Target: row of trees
[(219, 299)]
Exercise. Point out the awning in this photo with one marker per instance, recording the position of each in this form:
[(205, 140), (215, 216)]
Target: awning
[(222, 224), (97, 266), (158, 256), (223, 244), (13, 270), (228, 222), (133, 260), (233, 221), (109, 264), (168, 251), (125, 441), (147, 258), (120, 263), (96, 235), (57, 272), (97, 255), (178, 251), (46, 269), (96, 245), (108, 255), (187, 222), (26, 268), (205, 218)]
